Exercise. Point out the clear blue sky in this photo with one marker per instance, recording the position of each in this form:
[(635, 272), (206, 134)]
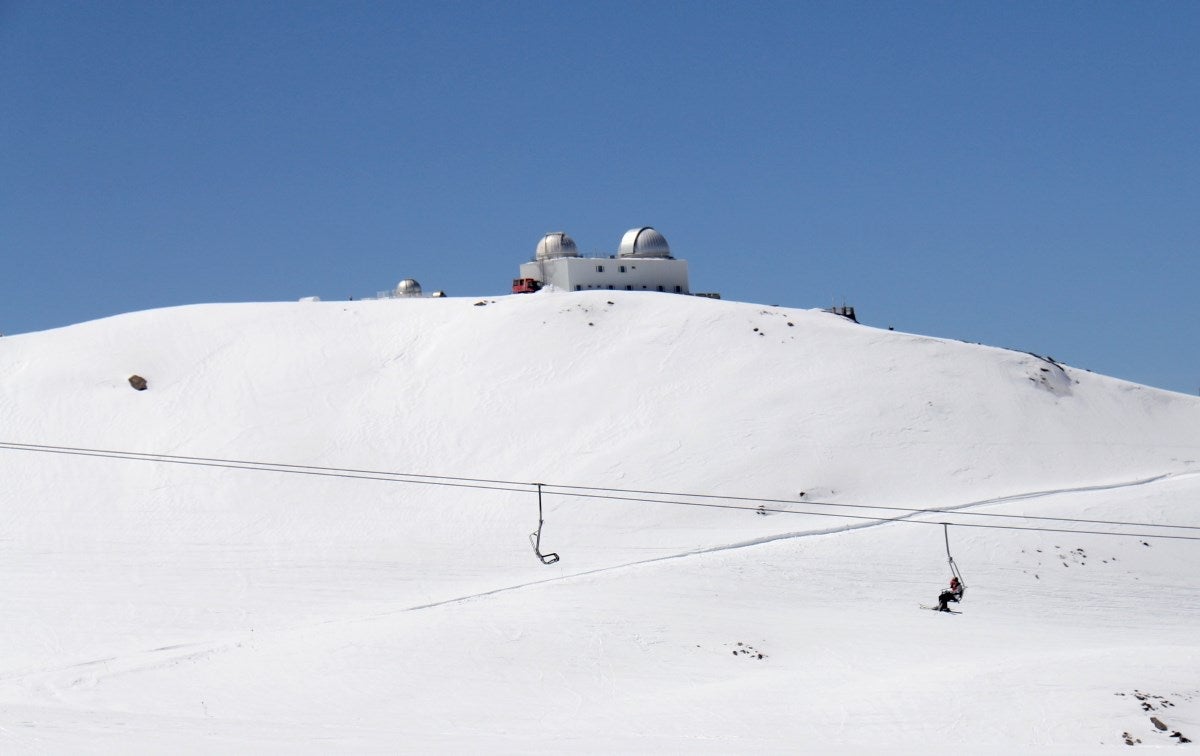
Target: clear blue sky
[(1018, 174)]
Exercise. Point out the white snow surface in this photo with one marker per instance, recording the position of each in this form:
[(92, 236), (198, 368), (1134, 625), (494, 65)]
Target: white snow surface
[(154, 607)]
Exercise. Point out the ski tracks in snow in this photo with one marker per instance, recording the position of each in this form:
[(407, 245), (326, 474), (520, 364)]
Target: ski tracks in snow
[(58, 682), (785, 536)]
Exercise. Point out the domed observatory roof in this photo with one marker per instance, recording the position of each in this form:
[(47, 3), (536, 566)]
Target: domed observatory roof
[(408, 288), (643, 242), (556, 244)]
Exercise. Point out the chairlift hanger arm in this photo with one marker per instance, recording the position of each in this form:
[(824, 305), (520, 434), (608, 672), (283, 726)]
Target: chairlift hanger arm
[(535, 538), (950, 558)]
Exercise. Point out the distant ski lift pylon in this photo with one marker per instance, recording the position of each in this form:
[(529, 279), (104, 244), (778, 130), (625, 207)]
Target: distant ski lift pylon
[(535, 538)]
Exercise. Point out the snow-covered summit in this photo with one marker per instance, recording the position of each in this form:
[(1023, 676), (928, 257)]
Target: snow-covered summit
[(272, 607), (592, 388)]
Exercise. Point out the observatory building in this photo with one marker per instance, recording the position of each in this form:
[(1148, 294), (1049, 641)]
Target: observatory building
[(408, 288), (643, 262)]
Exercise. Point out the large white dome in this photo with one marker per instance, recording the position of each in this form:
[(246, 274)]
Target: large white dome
[(556, 244), (643, 242), (408, 288)]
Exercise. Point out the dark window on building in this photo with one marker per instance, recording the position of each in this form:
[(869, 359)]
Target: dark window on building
[(578, 287), (599, 268), (610, 286), (628, 288), (621, 268), (678, 289), (660, 288)]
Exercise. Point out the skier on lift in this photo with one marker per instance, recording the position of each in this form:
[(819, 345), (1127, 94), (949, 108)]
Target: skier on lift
[(955, 594)]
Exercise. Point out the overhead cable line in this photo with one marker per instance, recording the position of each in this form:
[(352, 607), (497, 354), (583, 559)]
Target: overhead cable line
[(909, 510), (907, 518), (596, 492), (237, 464), (562, 489)]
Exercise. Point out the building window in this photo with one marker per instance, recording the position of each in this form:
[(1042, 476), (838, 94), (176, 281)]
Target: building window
[(628, 288), (578, 287), (678, 289), (610, 286), (599, 268), (621, 268), (660, 288)]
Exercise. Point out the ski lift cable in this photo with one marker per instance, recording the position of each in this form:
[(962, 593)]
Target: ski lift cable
[(882, 507), (902, 519), (219, 461), (326, 472), (909, 513), (518, 487)]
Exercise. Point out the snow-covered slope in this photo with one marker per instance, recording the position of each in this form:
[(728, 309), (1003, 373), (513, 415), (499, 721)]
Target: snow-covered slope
[(161, 605)]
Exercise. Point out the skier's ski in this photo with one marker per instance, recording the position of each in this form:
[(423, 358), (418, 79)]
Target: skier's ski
[(934, 608)]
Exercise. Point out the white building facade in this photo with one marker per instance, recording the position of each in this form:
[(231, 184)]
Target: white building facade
[(643, 263)]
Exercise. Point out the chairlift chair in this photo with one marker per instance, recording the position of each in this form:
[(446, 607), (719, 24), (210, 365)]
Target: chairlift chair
[(535, 538)]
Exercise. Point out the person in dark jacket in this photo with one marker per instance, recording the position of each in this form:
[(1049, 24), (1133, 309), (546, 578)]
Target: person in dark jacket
[(955, 594)]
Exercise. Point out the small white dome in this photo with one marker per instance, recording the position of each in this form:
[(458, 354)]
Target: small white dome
[(556, 244), (643, 242), (408, 288)]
